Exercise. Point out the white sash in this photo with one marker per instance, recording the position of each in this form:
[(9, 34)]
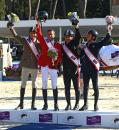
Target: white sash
[(48, 43), (33, 48), (71, 56), (92, 58)]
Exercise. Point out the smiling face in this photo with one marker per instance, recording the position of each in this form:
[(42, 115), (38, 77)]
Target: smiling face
[(51, 34), (68, 38)]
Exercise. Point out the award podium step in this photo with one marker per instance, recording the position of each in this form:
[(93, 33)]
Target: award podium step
[(99, 119)]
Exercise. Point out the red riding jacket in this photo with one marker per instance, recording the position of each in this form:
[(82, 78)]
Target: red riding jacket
[(44, 59)]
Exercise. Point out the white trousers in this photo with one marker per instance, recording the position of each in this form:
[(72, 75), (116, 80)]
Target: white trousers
[(53, 75), (25, 76)]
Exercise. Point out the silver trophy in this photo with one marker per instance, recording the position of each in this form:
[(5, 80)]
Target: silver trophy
[(73, 17)]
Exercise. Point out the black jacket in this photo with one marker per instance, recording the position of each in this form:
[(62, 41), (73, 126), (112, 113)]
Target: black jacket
[(94, 48), (68, 66)]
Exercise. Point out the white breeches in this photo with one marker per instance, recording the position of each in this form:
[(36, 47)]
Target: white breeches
[(53, 75), (25, 76)]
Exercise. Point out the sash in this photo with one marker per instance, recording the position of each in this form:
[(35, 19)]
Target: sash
[(92, 58), (33, 48), (48, 43), (71, 56)]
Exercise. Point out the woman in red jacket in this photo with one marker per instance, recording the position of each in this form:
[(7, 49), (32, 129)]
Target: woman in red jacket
[(49, 64)]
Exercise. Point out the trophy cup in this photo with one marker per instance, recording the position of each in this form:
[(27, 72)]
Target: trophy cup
[(12, 18), (73, 17)]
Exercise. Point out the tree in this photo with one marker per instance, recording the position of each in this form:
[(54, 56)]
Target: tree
[(54, 9), (82, 8), (64, 8), (37, 8), (2, 9), (29, 9)]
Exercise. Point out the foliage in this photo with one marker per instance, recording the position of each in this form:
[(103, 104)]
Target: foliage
[(95, 8), (2, 9), (98, 8)]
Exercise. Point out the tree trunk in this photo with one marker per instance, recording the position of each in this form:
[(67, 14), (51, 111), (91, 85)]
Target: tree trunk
[(51, 5), (54, 10), (82, 8), (64, 8), (37, 8), (29, 9), (8, 5)]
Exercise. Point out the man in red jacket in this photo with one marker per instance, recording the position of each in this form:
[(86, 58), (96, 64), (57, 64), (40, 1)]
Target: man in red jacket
[(48, 63)]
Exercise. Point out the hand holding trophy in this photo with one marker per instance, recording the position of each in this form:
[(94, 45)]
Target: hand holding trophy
[(109, 20), (12, 17)]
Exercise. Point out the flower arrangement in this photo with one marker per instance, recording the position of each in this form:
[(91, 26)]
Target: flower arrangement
[(12, 17), (73, 17), (13, 71), (53, 53), (110, 19)]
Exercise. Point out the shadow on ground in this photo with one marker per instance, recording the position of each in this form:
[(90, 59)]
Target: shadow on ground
[(43, 127)]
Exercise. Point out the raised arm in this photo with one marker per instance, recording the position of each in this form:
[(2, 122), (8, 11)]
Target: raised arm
[(16, 36), (14, 33), (77, 35), (106, 40), (40, 35)]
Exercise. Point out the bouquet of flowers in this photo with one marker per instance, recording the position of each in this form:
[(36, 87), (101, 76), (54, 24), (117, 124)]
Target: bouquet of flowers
[(53, 53), (12, 19), (110, 19), (73, 17)]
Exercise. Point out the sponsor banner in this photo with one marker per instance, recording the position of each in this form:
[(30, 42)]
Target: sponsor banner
[(29, 116), (110, 120), (70, 118), (5, 115), (93, 120), (24, 116), (46, 117)]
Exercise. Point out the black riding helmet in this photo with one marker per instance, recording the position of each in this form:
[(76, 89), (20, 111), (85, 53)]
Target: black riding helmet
[(93, 33), (69, 32), (43, 15)]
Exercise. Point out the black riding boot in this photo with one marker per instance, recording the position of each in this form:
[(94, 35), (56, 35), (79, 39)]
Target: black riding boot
[(96, 96), (76, 107), (45, 106), (33, 99), (55, 95), (67, 94), (68, 107), (22, 92), (85, 106)]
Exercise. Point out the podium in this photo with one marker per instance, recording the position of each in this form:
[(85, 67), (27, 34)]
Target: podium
[(99, 119)]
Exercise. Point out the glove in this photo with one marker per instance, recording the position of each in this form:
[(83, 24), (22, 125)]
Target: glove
[(10, 24)]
